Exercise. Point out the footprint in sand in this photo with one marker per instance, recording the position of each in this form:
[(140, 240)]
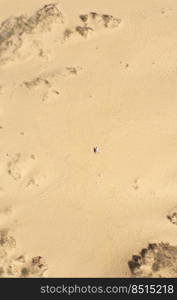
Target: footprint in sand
[(14, 263), (157, 260)]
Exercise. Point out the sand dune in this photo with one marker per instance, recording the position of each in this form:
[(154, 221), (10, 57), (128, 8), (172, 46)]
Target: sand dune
[(88, 119)]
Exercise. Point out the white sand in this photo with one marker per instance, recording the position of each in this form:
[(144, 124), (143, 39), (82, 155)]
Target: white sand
[(86, 213)]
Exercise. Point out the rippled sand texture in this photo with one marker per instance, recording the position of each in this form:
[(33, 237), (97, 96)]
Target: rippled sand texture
[(88, 152)]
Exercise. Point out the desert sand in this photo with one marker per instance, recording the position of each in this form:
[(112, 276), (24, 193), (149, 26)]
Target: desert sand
[(88, 151)]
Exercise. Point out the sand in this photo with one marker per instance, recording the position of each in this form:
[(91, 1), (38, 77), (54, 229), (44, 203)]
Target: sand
[(88, 151)]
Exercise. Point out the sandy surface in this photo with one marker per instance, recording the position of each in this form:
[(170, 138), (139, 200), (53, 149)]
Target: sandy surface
[(88, 120)]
